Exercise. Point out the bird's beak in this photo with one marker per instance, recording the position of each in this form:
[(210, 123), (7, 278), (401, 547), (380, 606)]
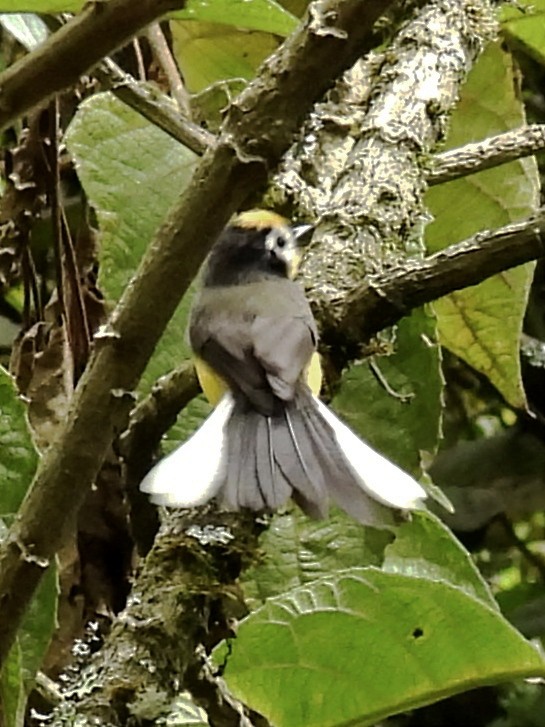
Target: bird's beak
[(303, 233)]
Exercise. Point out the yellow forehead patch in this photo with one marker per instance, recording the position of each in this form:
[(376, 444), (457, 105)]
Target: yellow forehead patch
[(259, 219)]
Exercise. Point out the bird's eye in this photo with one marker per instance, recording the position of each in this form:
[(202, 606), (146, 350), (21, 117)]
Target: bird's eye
[(281, 242)]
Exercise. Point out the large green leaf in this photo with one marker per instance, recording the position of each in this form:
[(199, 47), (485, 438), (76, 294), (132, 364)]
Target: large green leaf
[(482, 324), (211, 52), (27, 28), (12, 693), (426, 548), (17, 677), (523, 23), (18, 457), (359, 645), (132, 173), (398, 411), (266, 15), (18, 460), (296, 550), (38, 626)]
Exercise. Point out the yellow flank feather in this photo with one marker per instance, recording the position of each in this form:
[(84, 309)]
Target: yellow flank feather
[(259, 220), (214, 387), (314, 373)]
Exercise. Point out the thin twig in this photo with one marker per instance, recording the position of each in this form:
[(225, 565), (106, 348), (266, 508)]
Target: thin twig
[(159, 46), (155, 107), (155, 414), (383, 381), (54, 199), (48, 689), (386, 297), (139, 59), (491, 152), (80, 332)]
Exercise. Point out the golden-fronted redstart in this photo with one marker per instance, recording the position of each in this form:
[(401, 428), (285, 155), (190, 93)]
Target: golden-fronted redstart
[(269, 438)]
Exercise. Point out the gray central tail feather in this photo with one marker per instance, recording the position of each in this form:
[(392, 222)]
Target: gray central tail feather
[(344, 490), (291, 453)]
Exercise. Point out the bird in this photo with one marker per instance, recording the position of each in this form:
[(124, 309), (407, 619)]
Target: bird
[(269, 437)]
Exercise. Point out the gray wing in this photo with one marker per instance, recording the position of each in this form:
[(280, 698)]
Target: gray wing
[(260, 339), (283, 346)]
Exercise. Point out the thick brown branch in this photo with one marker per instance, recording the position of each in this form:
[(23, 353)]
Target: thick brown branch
[(257, 130), (385, 298), (73, 50), (158, 411), (149, 421), (153, 641), (491, 152)]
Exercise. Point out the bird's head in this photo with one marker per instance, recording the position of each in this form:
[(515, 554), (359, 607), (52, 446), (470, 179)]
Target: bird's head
[(256, 244)]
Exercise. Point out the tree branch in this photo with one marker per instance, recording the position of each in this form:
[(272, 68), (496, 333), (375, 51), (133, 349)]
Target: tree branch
[(446, 166), (486, 154), (155, 107), (192, 568), (73, 50), (257, 129), (357, 170), (164, 57), (388, 296), (149, 421)]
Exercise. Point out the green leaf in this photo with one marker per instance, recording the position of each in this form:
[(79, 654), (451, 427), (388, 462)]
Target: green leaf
[(211, 52), (12, 695), (523, 23), (405, 420), (18, 457), (482, 324), (132, 173), (296, 550), (188, 421), (296, 7), (265, 15), (38, 626), (28, 29), (425, 548), (17, 678), (18, 460), (41, 6), (353, 648)]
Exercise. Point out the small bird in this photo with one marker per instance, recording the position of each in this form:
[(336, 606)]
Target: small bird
[(270, 437)]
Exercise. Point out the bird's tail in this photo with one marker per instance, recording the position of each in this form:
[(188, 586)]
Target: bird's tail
[(304, 451)]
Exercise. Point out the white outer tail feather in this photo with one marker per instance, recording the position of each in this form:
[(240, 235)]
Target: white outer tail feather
[(379, 477), (192, 474)]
